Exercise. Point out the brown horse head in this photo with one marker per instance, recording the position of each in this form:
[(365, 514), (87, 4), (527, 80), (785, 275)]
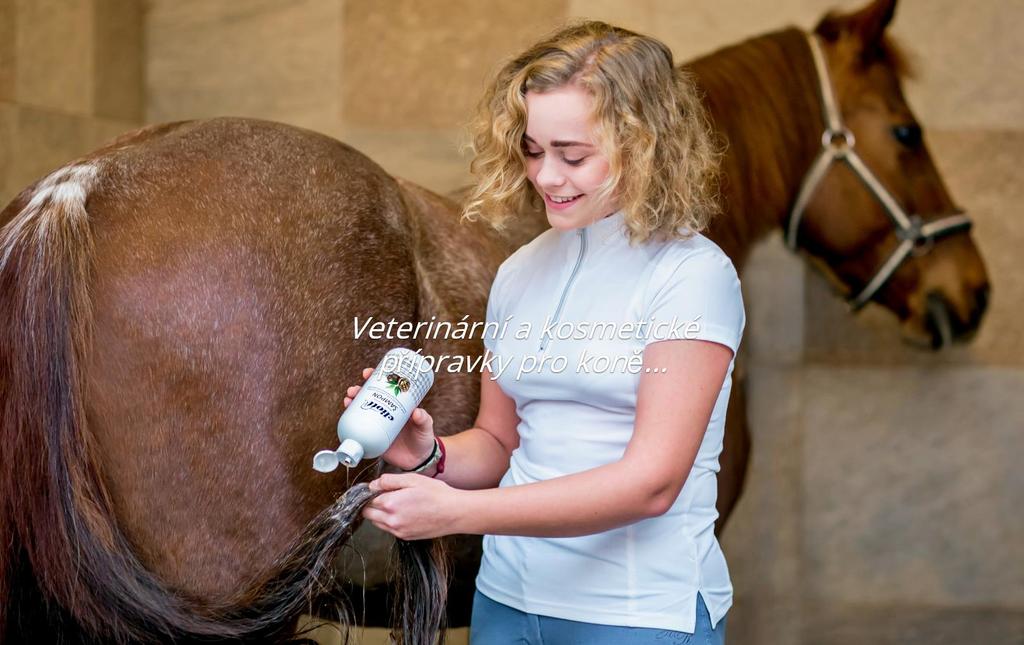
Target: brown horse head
[(881, 198)]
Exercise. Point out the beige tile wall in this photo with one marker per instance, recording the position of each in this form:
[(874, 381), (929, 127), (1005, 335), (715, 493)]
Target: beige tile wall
[(44, 140), (969, 54), (415, 70), (882, 498), (267, 59), (8, 30), (8, 124), (423, 65), (119, 60), (70, 79), (53, 48)]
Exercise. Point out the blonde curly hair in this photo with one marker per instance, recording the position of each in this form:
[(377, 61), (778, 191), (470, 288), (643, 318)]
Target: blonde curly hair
[(649, 121)]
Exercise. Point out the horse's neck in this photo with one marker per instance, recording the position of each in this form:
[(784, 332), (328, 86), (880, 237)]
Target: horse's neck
[(763, 99)]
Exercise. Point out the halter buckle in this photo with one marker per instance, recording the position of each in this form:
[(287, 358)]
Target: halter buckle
[(838, 141), (915, 233), (922, 246), (912, 232)]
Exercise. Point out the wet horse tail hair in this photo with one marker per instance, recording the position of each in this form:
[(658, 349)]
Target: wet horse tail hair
[(64, 563)]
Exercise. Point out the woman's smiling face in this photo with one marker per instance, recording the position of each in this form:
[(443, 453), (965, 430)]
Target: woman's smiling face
[(563, 159)]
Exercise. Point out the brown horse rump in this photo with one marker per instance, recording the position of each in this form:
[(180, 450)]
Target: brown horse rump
[(176, 337)]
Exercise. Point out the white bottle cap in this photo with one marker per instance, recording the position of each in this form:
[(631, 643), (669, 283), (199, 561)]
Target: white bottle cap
[(350, 452), (325, 461)]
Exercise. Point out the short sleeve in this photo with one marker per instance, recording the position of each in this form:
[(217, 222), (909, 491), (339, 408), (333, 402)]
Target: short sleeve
[(697, 297), (491, 317), (494, 307)]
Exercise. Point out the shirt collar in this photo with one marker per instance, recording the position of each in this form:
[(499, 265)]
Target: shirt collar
[(607, 228)]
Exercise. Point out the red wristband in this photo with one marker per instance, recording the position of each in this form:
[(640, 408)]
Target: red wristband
[(440, 462)]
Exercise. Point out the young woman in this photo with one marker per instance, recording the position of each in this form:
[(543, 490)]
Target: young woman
[(591, 468)]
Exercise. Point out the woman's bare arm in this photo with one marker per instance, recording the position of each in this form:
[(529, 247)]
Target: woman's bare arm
[(673, 411), (479, 456)]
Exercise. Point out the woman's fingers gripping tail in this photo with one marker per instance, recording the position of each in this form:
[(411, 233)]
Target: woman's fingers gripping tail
[(414, 507)]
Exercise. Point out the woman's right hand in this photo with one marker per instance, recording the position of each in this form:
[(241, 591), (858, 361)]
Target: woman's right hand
[(416, 440)]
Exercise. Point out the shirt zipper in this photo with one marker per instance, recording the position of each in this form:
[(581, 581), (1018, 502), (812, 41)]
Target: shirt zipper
[(572, 277)]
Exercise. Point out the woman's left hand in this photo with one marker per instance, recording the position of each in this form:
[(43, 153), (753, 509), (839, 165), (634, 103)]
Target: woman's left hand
[(413, 507)]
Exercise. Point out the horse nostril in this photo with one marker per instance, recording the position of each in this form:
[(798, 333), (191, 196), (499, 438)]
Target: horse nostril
[(980, 305), (938, 321)]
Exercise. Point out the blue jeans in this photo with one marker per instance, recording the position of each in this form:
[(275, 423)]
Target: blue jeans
[(496, 624)]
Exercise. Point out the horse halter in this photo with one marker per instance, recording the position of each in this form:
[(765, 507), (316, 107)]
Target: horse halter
[(837, 143)]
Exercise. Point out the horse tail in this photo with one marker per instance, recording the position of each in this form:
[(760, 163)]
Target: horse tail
[(44, 319), (58, 532)]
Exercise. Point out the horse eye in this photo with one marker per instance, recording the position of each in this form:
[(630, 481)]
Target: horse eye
[(908, 134)]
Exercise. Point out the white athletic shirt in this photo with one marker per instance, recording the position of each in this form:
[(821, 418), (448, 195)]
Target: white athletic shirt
[(646, 574)]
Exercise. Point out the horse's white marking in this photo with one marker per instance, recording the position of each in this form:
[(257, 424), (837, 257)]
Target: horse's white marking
[(61, 194)]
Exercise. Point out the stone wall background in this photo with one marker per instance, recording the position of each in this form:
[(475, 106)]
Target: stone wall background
[(71, 77), (883, 502)]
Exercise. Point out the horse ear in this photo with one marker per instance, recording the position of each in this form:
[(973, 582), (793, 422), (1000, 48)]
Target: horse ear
[(867, 24)]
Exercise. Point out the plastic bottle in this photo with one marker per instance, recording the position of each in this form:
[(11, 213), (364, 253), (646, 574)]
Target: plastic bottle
[(380, 409)]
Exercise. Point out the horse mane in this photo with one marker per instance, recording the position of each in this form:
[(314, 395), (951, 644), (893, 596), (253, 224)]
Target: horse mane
[(762, 97)]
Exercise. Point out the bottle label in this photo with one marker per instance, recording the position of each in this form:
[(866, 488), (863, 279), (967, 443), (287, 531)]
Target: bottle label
[(383, 403)]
